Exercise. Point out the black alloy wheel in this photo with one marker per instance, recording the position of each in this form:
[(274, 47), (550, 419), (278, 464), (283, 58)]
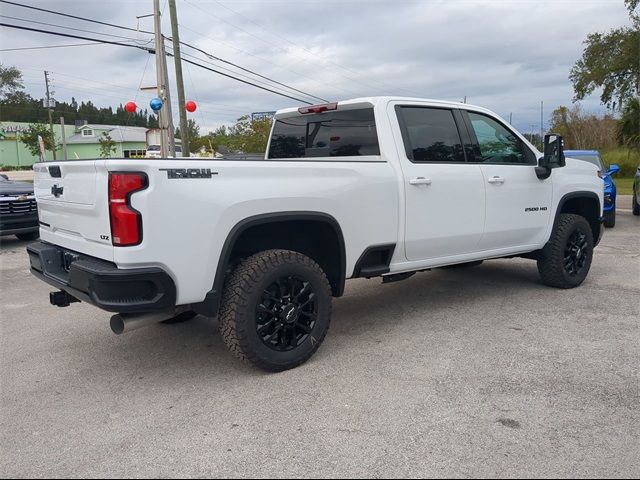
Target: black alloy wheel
[(566, 259), (576, 253), (275, 309), (286, 314)]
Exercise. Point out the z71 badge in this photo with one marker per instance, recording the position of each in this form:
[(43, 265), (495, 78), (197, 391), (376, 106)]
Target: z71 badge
[(174, 173)]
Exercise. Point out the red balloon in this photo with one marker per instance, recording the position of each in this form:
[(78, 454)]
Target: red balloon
[(191, 106), (131, 107)]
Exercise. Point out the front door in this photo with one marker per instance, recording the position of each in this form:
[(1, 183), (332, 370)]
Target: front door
[(445, 195), (518, 203)]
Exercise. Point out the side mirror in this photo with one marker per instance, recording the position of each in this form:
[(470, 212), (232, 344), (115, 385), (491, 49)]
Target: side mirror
[(613, 169), (553, 156)]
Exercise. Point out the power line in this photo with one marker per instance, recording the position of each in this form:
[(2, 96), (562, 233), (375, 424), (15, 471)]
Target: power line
[(213, 57), (314, 79), (69, 35), (150, 50), (250, 78), (278, 46), (67, 28), (247, 82), (134, 40), (48, 46), (84, 19)]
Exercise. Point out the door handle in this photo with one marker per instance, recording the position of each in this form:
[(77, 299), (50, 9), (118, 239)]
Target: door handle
[(420, 181), (496, 180)]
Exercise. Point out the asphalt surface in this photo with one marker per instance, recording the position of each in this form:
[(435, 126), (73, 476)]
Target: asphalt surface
[(476, 373)]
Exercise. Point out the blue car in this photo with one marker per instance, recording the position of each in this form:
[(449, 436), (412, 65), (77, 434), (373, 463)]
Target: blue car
[(593, 156)]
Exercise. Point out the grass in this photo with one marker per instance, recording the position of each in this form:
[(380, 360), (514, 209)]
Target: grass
[(627, 159), (624, 186)]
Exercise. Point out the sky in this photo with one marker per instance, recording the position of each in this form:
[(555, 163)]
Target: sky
[(504, 55)]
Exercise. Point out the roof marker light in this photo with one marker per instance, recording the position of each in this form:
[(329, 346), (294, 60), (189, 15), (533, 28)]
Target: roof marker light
[(325, 107)]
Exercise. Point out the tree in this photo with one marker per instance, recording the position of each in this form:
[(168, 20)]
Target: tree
[(582, 130), (610, 61), (249, 136), (193, 130), (629, 125), (30, 138), (107, 145), (10, 82)]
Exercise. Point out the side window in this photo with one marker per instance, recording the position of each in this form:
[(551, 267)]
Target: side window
[(497, 144), (430, 134), (348, 133)]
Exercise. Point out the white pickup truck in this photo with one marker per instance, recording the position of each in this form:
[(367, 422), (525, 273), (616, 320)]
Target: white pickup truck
[(371, 187)]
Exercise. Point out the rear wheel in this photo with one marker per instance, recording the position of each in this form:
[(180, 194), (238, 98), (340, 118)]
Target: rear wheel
[(635, 206), (275, 309), (28, 236), (567, 262), (610, 219)]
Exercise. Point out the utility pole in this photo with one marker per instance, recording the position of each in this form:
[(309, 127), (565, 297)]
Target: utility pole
[(167, 143), (511, 118), (64, 139), (50, 103), (541, 121), (175, 36)]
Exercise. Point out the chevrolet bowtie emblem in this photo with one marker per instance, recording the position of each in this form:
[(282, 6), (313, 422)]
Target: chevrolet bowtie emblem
[(56, 191)]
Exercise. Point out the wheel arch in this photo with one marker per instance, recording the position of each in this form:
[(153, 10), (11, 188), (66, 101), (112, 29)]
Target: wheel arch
[(240, 238), (586, 204)]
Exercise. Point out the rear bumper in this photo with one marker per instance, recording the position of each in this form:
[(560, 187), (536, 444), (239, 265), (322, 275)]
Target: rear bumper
[(101, 283)]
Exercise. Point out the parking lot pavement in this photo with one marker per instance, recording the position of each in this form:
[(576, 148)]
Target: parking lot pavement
[(473, 373)]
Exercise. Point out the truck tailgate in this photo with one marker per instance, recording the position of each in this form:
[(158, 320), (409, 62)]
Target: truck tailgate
[(73, 207)]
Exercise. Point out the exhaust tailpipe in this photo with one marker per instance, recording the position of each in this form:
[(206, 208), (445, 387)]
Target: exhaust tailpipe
[(125, 322)]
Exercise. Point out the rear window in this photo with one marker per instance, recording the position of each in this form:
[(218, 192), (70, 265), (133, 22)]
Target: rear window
[(348, 133), (430, 134)]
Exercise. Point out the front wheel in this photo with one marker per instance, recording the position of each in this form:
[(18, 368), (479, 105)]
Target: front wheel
[(610, 219), (635, 206), (275, 309), (568, 259)]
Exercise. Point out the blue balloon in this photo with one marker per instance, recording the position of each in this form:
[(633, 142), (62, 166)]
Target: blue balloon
[(155, 104)]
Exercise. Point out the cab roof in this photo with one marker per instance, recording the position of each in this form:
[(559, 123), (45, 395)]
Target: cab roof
[(374, 101)]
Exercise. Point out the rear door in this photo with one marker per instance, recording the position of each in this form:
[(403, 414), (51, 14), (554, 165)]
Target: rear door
[(518, 202), (445, 195)]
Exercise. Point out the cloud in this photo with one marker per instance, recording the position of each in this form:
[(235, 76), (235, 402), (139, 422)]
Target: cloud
[(507, 56)]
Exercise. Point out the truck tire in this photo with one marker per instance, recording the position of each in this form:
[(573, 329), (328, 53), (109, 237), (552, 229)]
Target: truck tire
[(570, 251), (275, 309), (634, 205), (610, 220)]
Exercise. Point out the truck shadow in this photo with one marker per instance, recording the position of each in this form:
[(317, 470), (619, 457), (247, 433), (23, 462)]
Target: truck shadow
[(195, 349), (11, 243)]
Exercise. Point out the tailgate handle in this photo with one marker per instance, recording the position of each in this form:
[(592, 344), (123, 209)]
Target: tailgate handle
[(55, 172)]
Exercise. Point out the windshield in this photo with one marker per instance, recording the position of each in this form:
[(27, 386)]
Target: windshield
[(588, 158), (153, 148)]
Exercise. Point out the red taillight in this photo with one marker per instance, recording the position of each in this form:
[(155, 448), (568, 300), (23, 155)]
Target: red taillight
[(318, 108), (126, 222)]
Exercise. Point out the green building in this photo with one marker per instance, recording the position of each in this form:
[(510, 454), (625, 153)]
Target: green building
[(82, 142)]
